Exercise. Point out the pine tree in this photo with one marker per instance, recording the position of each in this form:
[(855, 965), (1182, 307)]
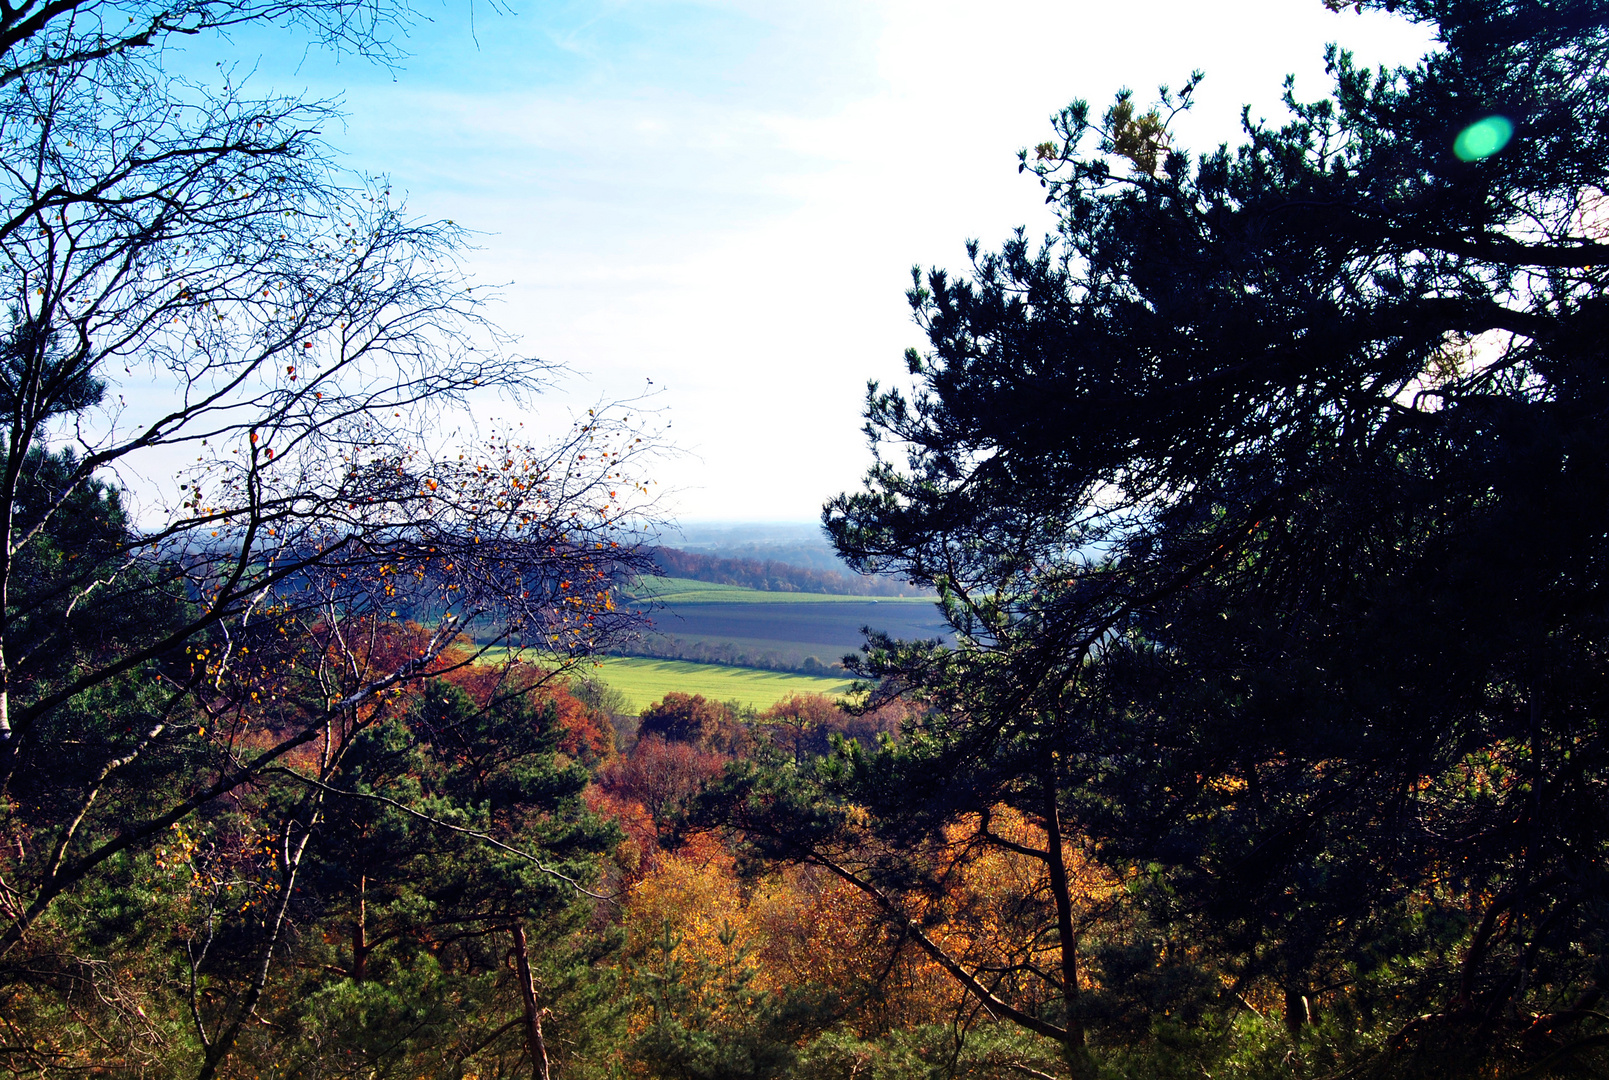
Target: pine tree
[(1267, 500)]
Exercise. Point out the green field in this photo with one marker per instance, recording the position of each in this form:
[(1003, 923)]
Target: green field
[(688, 591), (645, 681)]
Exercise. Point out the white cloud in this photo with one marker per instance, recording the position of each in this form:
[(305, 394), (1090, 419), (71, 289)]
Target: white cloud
[(726, 197)]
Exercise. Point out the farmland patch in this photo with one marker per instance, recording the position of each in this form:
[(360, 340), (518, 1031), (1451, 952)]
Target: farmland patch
[(644, 681)]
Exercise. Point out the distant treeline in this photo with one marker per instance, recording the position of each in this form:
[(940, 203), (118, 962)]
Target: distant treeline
[(772, 576), (732, 654)]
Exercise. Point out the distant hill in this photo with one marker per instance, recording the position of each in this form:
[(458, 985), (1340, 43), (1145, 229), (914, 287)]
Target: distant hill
[(773, 575), (796, 543)]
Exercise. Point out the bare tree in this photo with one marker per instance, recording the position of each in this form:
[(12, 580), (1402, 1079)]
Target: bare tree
[(38, 36), (196, 297)]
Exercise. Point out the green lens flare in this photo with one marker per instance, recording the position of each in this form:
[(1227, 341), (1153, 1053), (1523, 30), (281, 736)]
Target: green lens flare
[(1483, 138)]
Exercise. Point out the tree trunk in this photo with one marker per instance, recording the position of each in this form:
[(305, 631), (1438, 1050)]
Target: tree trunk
[(221, 1047), (1077, 1053), (533, 1015), (1297, 1009)]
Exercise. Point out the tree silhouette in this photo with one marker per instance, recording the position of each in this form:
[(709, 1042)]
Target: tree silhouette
[(1266, 500)]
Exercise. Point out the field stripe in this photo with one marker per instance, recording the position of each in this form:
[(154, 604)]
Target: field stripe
[(644, 681), (687, 591)]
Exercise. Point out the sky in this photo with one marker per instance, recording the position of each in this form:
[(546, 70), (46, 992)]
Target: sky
[(718, 202)]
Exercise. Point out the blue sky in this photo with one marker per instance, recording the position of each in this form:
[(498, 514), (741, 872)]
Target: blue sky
[(726, 196)]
